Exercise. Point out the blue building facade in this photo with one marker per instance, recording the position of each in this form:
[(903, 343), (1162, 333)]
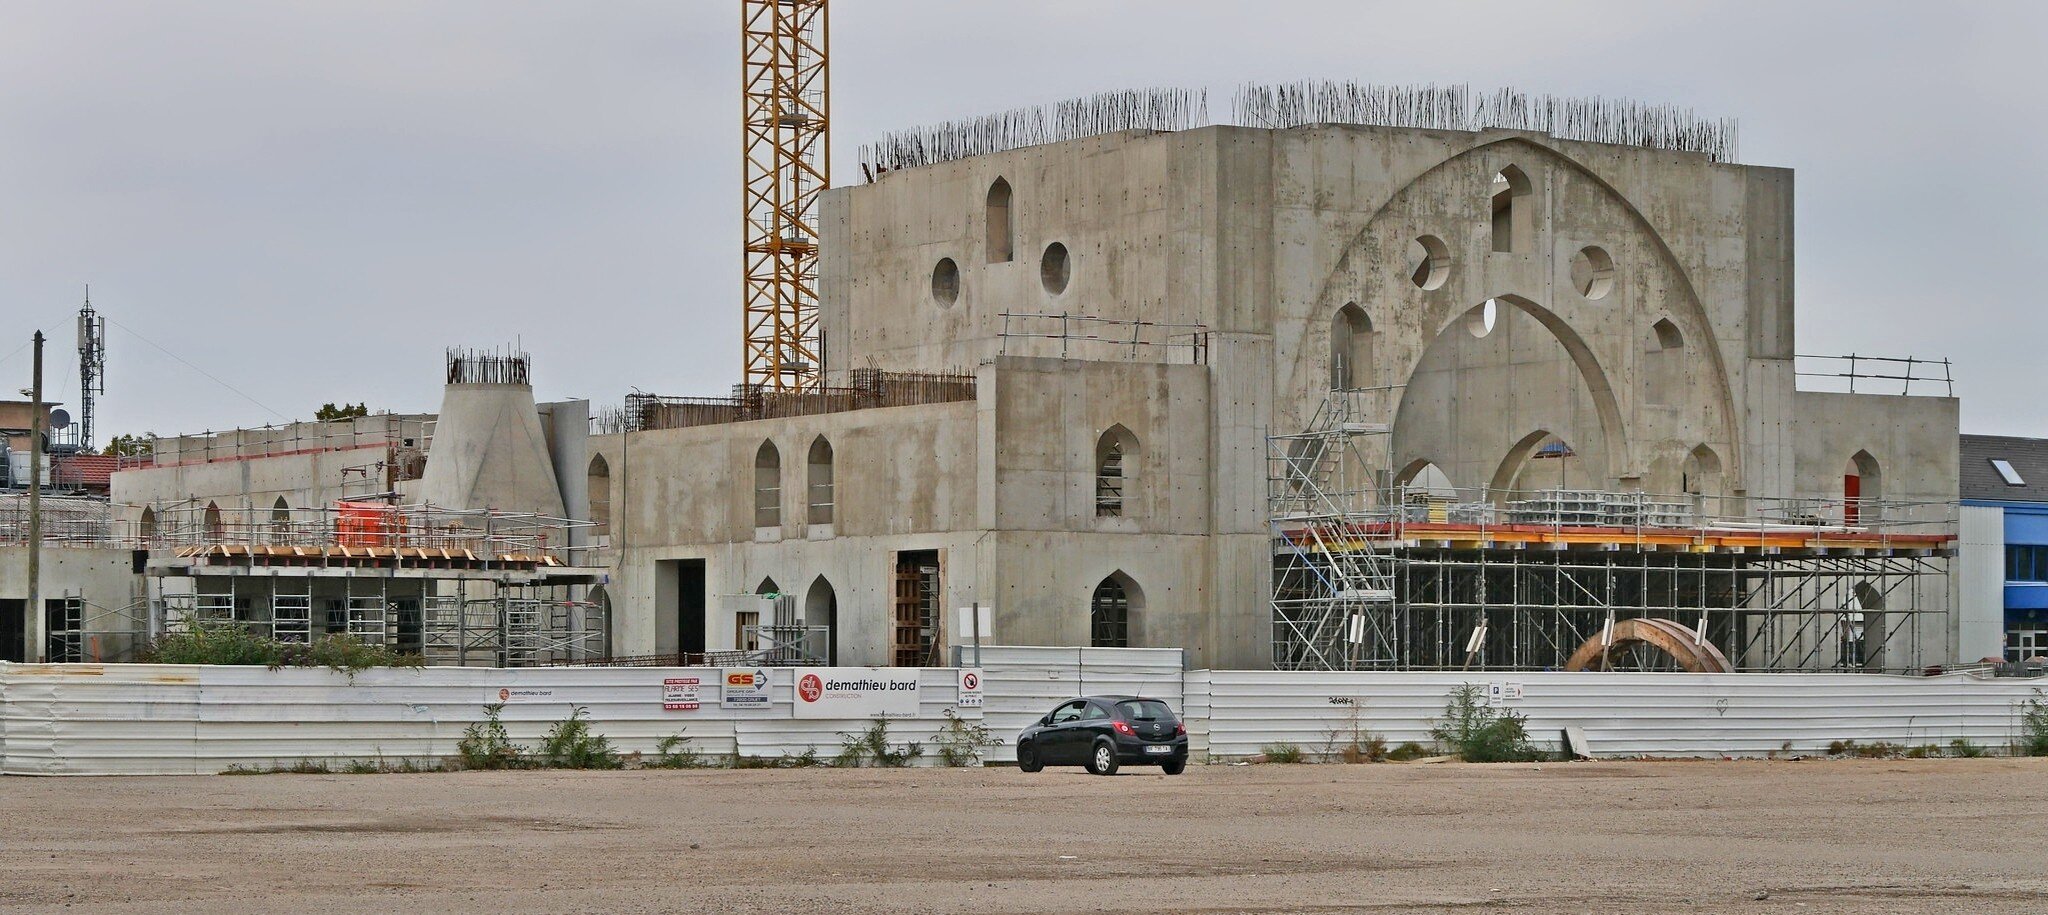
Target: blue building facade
[(2007, 478)]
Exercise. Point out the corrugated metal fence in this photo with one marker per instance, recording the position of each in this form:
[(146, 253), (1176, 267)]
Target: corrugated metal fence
[(82, 719), (143, 719), (1236, 713)]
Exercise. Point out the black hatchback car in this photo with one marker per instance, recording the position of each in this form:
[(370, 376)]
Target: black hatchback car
[(1104, 732)]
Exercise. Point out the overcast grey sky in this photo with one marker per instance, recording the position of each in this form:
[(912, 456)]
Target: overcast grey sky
[(311, 199)]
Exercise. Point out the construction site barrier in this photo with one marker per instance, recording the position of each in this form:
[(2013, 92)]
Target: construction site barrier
[(83, 719)]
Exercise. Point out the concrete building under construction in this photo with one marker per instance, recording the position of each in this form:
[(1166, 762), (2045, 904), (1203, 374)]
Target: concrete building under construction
[(1309, 395), (1374, 383)]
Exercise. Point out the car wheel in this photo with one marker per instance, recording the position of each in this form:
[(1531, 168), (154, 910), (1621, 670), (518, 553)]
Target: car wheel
[(1174, 767), (1027, 758), (1103, 760)]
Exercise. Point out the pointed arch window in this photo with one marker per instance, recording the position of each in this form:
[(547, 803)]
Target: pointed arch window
[(1109, 613), (819, 493), (767, 486), (1115, 454)]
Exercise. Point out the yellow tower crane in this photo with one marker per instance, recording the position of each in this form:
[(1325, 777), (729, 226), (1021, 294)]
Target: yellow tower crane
[(787, 164)]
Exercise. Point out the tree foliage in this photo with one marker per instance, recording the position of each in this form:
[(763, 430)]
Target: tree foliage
[(329, 412), (131, 445)]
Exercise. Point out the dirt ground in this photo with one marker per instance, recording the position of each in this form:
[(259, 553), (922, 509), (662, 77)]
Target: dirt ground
[(1808, 836)]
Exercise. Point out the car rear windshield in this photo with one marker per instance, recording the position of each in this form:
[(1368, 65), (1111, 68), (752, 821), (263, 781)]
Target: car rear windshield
[(1145, 709)]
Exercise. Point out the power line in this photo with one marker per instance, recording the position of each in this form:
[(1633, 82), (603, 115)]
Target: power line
[(24, 347), (238, 391)]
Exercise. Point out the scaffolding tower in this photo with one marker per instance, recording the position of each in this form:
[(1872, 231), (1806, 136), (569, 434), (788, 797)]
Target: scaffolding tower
[(1372, 573)]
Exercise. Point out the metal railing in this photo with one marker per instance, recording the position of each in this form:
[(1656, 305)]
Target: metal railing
[(382, 429), (355, 526), (867, 388), (1878, 374), (1084, 336)]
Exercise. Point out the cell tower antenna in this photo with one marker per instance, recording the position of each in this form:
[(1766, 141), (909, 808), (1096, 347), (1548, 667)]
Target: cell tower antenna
[(92, 366), (787, 161)]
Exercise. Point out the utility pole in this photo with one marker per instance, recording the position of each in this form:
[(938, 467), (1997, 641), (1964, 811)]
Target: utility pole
[(36, 422)]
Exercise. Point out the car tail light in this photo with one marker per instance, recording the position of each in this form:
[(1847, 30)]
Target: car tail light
[(1123, 728), (1180, 727)]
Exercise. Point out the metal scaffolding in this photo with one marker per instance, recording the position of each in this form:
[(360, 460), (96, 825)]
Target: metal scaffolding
[(1372, 573), (456, 587)]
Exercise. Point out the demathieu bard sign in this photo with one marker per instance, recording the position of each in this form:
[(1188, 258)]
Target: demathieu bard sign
[(856, 692)]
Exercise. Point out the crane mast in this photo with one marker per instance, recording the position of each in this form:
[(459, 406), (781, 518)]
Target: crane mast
[(785, 113)]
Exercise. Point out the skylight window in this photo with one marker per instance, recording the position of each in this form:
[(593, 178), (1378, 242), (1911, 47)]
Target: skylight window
[(2004, 468)]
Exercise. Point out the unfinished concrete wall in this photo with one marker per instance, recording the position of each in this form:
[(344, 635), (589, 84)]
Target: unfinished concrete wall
[(902, 480), (103, 577), (489, 451)]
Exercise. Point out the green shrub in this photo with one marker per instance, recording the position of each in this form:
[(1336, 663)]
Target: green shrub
[(234, 643), (485, 745), (212, 644), (806, 760), (1963, 749), (961, 743), (1879, 750), (1475, 731), (2033, 736), (344, 654), (871, 747), (571, 744), (1406, 751), (1284, 753)]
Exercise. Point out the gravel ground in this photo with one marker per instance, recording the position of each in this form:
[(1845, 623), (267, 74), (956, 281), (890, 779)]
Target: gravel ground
[(1805, 836)]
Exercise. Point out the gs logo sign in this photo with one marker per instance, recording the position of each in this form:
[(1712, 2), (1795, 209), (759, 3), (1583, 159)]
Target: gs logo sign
[(810, 688)]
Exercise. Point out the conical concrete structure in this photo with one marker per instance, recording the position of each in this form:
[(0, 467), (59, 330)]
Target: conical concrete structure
[(488, 450)]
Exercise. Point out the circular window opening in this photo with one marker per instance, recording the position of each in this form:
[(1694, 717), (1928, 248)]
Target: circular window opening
[(1479, 321), (946, 282), (1593, 272), (1053, 268), (1429, 262)]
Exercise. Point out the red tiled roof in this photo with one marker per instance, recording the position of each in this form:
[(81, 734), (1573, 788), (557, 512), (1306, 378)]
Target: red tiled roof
[(92, 471)]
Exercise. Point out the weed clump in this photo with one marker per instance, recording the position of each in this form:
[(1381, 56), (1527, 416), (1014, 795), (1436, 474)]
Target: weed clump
[(486, 745), (961, 743), (2032, 739), (1406, 751), (1283, 753), (1350, 741), (871, 748), (1475, 731), (571, 744), (675, 752)]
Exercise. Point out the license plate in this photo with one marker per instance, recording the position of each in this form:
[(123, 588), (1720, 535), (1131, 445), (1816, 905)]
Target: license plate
[(1159, 750)]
